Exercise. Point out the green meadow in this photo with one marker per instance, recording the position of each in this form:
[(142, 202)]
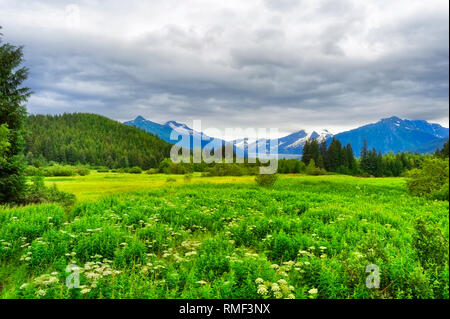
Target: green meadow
[(167, 236)]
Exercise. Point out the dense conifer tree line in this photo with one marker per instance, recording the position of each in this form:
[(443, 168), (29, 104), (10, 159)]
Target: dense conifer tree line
[(91, 139), (333, 158)]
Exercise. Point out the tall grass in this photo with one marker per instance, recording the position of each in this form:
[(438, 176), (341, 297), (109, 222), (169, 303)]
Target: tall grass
[(308, 237)]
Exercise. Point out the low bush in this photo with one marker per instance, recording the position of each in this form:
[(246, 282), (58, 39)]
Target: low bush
[(83, 171), (152, 171), (133, 170), (431, 180), (311, 169), (266, 180), (37, 192), (57, 170)]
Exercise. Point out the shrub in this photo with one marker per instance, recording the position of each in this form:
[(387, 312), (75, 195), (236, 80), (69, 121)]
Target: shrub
[(33, 171), (227, 170), (311, 169), (266, 180), (37, 192), (430, 244), (134, 170), (431, 180), (83, 171), (152, 171), (59, 170)]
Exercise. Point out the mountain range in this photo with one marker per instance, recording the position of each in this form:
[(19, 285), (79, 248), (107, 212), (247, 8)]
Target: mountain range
[(387, 135)]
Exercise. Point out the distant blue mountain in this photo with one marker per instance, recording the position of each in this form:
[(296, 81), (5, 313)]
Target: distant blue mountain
[(165, 130), (387, 135), (396, 135)]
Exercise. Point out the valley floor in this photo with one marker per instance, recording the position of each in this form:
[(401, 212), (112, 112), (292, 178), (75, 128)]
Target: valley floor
[(160, 236)]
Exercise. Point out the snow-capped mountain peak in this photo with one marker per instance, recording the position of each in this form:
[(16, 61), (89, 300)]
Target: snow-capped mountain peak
[(318, 135), (180, 127)]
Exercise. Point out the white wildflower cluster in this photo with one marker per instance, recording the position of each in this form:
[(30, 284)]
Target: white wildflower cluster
[(42, 284), (313, 292), (152, 268), (190, 247), (26, 256), (278, 290), (94, 271), (4, 245)]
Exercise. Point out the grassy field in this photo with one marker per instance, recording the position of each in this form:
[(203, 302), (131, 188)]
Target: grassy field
[(96, 185), (225, 237)]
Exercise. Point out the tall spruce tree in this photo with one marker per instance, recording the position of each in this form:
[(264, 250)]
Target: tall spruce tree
[(12, 115), (335, 155), (364, 158), (306, 156)]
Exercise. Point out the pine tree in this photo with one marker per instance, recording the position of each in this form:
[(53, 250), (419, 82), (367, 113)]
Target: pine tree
[(12, 114), (335, 155), (315, 153), (323, 153), (307, 156), (364, 158)]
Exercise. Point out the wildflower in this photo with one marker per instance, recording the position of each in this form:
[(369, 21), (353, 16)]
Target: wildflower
[(259, 280), (290, 296), (24, 285), (275, 287), (201, 282), (262, 290), (85, 290), (190, 253), (313, 291)]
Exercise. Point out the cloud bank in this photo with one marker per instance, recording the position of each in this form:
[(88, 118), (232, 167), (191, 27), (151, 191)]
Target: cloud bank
[(257, 63)]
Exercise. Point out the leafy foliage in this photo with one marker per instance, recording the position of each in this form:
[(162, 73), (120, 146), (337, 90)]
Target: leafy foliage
[(431, 179), (37, 192)]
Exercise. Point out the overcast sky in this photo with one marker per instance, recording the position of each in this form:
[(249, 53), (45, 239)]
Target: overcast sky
[(256, 63)]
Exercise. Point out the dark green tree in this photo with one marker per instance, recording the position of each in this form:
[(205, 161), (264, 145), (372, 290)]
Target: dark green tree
[(12, 114), (364, 158), (444, 152), (335, 155), (307, 156)]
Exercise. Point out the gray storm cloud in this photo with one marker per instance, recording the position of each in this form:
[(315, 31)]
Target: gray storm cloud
[(286, 64)]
